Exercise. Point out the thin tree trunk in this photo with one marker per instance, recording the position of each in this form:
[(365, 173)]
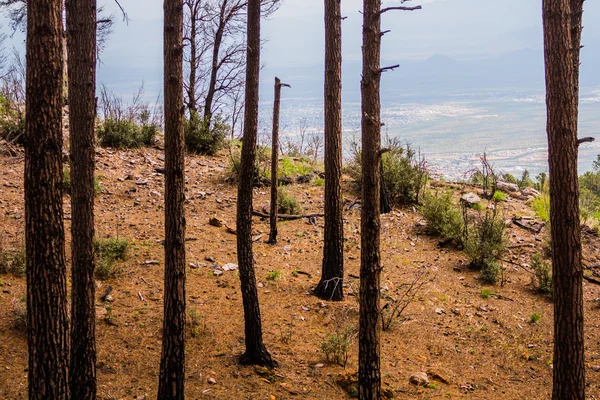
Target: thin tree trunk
[(275, 162), (193, 64), (369, 376), (384, 202), (172, 363), (212, 86), (567, 272), (332, 270), (47, 322), (256, 352), (81, 40)]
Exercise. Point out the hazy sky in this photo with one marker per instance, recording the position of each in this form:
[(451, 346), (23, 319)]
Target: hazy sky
[(294, 34)]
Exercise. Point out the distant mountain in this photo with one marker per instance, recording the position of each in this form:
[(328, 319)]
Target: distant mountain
[(516, 70)]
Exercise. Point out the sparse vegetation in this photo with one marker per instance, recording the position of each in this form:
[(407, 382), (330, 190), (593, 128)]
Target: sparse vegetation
[(337, 345), (107, 254), (273, 275), (196, 323), (12, 121), (287, 203), (543, 273), (443, 216), (19, 311), (12, 261), (202, 137), (484, 243), (486, 293), (535, 318)]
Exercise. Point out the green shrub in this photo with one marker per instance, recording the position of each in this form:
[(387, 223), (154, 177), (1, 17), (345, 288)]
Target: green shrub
[(543, 273), (404, 172), (486, 294), (13, 261), (196, 323), (525, 181), (12, 122), (112, 248), (107, 253), (287, 203), (535, 317), (201, 138), (541, 206), (509, 178), (261, 165), (484, 243), (499, 196), (273, 275), (443, 216), (126, 133), (337, 345), (319, 182)]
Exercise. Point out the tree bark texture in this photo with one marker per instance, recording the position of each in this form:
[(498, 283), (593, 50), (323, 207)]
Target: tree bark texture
[(256, 352), (332, 269), (369, 377), (567, 273), (81, 44), (275, 163), (47, 322), (172, 364)]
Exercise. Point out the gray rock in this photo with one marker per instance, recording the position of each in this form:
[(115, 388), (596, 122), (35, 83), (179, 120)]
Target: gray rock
[(507, 187), (229, 267), (470, 198), (530, 192), (419, 379)]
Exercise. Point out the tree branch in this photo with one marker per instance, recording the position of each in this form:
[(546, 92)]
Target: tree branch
[(400, 8), (586, 140), (389, 68)]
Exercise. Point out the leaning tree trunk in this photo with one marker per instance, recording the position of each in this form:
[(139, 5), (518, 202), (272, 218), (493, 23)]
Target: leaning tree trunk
[(256, 352), (193, 62), (212, 85), (47, 322), (567, 272), (369, 377), (81, 41), (172, 363), (332, 269), (275, 162)]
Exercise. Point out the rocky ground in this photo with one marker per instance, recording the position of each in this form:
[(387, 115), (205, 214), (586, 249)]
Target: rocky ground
[(465, 338)]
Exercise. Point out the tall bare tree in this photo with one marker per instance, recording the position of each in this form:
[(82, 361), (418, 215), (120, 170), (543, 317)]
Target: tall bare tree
[(275, 161), (562, 36), (81, 42), (47, 320), (256, 352), (332, 273), (172, 363), (369, 376), (215, 52)]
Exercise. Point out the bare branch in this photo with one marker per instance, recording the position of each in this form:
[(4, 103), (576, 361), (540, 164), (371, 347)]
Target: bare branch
[(390, 68), (400, 8), (586, 140)]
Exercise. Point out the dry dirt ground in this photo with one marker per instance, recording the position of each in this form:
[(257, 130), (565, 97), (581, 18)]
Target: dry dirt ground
[(476, 347)]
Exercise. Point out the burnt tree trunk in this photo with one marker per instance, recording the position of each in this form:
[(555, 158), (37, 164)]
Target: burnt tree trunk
[(172, 363), (81, 43), (567, 272), (256, 352), (369, 376), (275, 162), (47, 322), (332, 269)]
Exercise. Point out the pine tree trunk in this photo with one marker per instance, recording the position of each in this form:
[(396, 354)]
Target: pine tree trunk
[(332, 270), (567, 273), (275, 163), (256, 352), (81, 40), (172, 363), (47, 322), (193, 65), (369, 377)]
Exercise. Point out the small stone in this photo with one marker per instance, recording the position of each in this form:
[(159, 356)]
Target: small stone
[(287, 248), (212, 381), (596, 368), (319, 365), (419, 379), (109, 298), (507, 187), (440, 311), (141, 182), (215, 222), (304, 308), (209, 259), (229, 267), (151, 262), (217, 272), (193, 266), (260, 285)]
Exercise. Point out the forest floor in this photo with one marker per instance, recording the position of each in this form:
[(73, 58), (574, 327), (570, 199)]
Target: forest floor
[(474, 341)]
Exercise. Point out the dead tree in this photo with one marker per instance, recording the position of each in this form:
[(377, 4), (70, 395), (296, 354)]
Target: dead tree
[(369, 376), (47, 321), (256, 353), (172, 362), (275, 161), (562, 37), (330, 286)]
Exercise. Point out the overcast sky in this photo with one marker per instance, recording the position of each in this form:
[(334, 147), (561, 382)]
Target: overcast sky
[(294, 34)]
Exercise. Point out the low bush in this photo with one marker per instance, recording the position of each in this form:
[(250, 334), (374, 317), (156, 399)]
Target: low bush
[(202, 137), (443, 216), (404, 171), (337, 345), (287, 203), (484, 243), (107, 253), (13, 261), (543, 273), (126, 133), (12, 122)]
